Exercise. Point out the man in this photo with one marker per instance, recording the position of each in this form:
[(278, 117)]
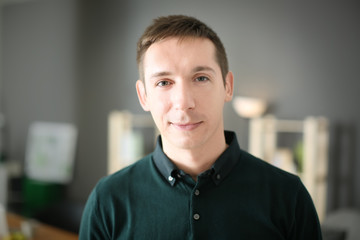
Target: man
[(198, 183)]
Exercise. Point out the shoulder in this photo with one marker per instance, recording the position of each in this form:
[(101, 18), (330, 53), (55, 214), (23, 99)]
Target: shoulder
[(267, 171), (270, 181), (112, 192), (278, 184), (285, 192), (110, 195), (121, 179)]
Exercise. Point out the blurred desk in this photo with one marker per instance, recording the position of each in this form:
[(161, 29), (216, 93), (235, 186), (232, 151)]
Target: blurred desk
[(41, 231)]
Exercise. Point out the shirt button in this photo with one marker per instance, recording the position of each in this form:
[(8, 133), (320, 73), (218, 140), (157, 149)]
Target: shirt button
[(197, 192), (218, 177), (196, 216), (170, 178)]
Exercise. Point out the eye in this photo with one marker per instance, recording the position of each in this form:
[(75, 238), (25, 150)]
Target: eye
[(162, 83), (202, 79)]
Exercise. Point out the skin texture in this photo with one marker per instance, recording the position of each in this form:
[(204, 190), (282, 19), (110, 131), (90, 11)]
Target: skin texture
[(184, 90)]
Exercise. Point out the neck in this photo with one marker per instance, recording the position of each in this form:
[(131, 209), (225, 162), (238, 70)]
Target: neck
[(196, 160)]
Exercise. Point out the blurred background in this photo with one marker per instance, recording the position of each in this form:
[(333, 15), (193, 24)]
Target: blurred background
[(74, 61)]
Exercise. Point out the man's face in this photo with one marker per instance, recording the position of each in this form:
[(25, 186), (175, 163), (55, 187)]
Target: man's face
[(184, 91)]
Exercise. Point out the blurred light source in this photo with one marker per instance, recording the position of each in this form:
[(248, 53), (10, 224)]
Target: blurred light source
[(248, 107)]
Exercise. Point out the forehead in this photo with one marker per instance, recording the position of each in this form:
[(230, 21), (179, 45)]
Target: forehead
[(175, 54)]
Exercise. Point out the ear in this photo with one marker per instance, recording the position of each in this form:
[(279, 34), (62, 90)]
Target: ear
[(229, 86), (141, 93)]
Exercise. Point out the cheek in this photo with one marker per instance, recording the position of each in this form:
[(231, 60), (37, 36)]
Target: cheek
[(212, 99), (216, 105), (159, 107)]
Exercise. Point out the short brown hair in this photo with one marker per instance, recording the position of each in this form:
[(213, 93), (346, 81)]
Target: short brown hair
[(179, 26)]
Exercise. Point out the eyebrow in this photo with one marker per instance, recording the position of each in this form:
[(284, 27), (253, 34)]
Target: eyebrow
[(160, 74), (194, 70), (203, 68)]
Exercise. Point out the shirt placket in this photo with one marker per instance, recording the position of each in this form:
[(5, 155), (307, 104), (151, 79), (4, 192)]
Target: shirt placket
[(196, 217)]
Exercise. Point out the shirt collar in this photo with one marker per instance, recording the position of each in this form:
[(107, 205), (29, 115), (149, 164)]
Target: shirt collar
[(220, 169)]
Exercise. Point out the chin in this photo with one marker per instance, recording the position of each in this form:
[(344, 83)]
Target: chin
[(186, 142)]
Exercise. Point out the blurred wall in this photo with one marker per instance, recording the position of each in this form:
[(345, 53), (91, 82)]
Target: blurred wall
[(67, 60), (39, 66)]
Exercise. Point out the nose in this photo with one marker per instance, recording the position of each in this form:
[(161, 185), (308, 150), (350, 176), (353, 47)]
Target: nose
[(183, 97)]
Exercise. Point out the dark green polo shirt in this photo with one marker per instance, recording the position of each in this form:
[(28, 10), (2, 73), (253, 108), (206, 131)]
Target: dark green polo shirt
[(240, 197)]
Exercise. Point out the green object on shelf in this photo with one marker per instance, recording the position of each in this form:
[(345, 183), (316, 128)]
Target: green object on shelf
[(38, 195), (299, 156)]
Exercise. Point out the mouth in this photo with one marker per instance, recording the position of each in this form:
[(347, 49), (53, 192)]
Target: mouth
[(186, 126)]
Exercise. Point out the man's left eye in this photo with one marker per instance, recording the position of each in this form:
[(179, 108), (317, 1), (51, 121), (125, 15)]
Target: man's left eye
[(202, 79)]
